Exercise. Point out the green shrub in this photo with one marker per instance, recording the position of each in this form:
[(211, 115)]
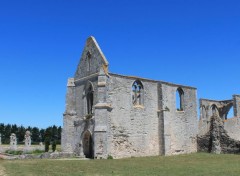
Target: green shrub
[(109, 157), (54, 145), (14, 152), (47, 143), (37, 151)]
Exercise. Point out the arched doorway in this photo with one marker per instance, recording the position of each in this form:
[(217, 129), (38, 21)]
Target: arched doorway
[(87, 144)]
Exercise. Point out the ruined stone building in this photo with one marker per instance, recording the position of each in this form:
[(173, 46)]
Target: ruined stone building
[(221, 109), (109, 114), (217, 133)]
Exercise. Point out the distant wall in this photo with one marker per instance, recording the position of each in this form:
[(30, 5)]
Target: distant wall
[(232, 126)]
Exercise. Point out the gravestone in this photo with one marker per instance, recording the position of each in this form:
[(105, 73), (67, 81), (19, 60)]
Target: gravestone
[(27, 141)]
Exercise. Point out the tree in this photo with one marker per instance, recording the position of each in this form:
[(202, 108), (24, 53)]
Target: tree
[(47, 143), (7, 133), (21, 133), (59, 135), (42, 135), (35, 135)]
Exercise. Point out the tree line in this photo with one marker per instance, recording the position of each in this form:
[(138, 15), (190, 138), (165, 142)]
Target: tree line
[(51, 133)]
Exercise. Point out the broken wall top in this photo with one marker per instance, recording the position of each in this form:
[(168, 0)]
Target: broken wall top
[(92, 60)]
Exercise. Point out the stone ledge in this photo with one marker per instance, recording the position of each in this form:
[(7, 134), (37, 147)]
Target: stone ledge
[(100, 129), (69, 114), (103, 106), (102, 84)]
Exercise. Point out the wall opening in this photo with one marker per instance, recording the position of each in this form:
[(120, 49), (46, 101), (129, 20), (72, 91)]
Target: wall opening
[(87, 144), (88, 60), (179, 99), (137, 93), (214, 110), (230, 113), (89, 97)]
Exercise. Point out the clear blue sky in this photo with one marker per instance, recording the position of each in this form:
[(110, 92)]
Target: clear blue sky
[(191, 42)]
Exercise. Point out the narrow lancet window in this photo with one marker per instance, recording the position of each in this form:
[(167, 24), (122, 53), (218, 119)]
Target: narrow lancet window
[(88, 60), (214, 110), (89, 96), (179, 99), (137, 93)]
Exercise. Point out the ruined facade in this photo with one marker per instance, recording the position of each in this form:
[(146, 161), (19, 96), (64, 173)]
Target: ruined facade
[(221, 109), (114, 115), (214, 124)]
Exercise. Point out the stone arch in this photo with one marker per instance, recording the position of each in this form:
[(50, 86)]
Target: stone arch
[(89, 94), (230, 112), (214, 109), (137, 93), (87, 144), (179, 99)]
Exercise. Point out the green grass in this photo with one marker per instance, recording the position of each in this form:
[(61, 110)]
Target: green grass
[(199, 164)]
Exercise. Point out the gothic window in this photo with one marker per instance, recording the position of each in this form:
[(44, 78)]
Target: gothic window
[(89, 97), (88, 59), (214, 110), (179, 99), (137, 93)]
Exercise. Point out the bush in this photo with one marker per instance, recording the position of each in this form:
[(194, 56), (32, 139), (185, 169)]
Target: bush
[(47, 143), (54, 145), (109, 157), (14, 152), (37, 151)]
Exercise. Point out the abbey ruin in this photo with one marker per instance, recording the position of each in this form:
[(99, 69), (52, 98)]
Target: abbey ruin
[(109, 114)]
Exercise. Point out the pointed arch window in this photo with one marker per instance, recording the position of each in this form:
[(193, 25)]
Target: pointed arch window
[(88, 58), (137, 93), (214, 110), (179, 99), (89, 97)]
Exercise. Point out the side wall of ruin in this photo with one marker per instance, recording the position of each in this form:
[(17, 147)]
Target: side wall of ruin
[(180, 126), (133, 129)]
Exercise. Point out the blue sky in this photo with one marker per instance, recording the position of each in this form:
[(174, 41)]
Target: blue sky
[(190, 42)]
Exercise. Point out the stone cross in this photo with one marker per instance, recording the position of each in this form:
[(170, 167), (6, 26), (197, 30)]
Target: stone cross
[(13, 142), (27, 141)]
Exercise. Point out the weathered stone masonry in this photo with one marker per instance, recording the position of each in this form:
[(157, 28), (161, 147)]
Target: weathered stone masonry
[(123, 116), (217, 133)]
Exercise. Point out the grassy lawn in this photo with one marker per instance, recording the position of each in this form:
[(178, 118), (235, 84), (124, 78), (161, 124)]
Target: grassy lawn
[(199, 164)]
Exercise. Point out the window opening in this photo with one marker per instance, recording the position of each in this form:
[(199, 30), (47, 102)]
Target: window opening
[(89, 99), (179, 99), (137, 93)]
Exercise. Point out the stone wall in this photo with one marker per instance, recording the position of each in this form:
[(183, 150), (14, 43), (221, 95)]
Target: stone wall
[(232, 126), (91, 61), (133, 129), (75, 121), (236, 105), (180, 126)]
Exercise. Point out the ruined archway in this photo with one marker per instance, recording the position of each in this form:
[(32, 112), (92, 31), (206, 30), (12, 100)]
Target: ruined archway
[(214, 110), (87, 144)]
